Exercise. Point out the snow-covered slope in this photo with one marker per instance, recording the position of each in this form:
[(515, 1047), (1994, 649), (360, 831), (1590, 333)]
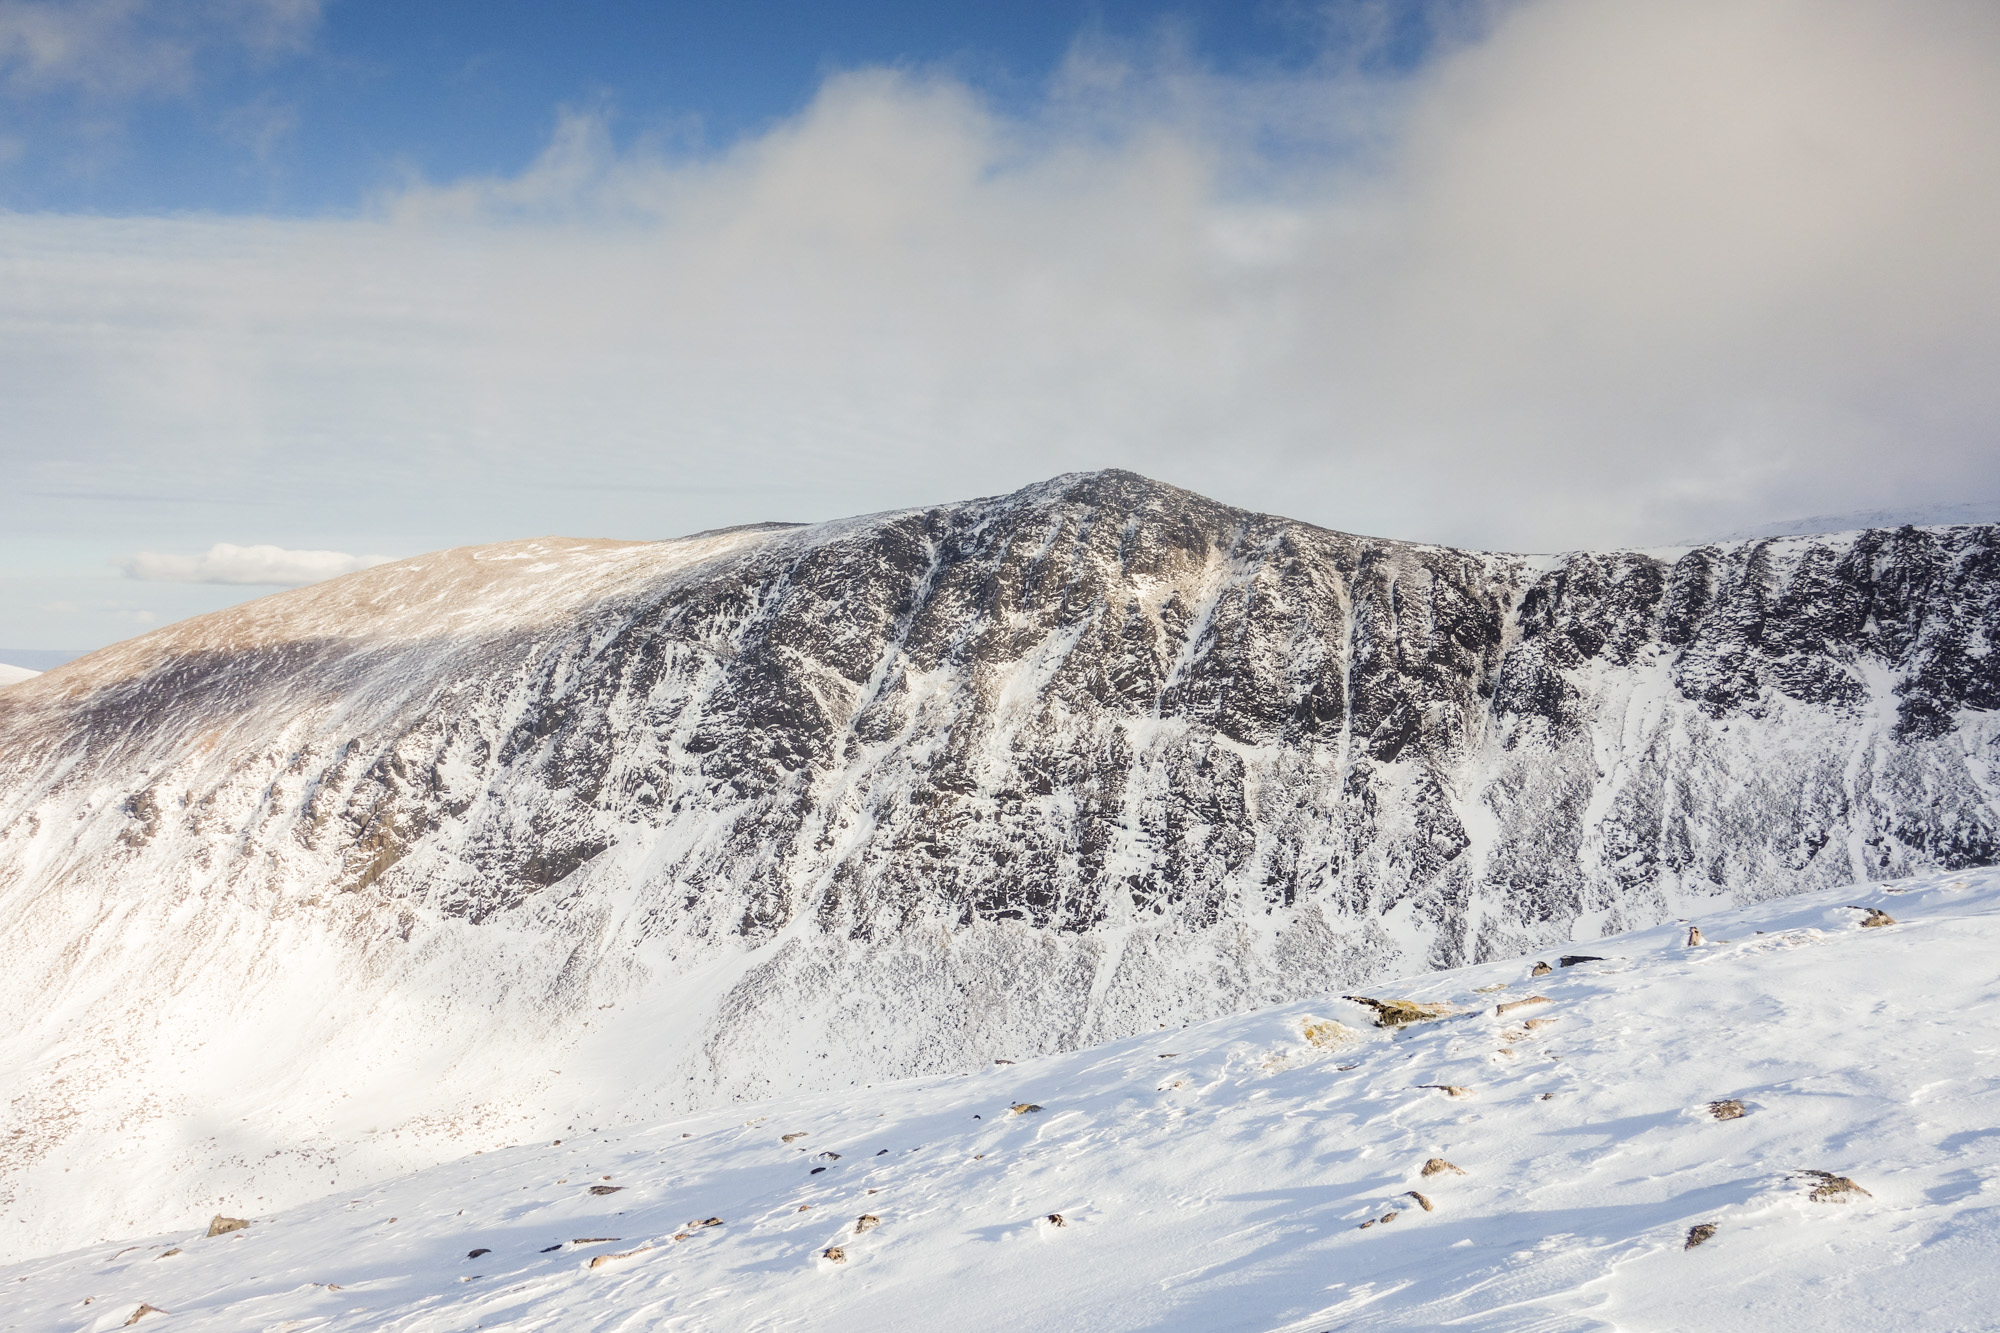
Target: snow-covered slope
[(359, 877), (13, 675), (1223, 1176)]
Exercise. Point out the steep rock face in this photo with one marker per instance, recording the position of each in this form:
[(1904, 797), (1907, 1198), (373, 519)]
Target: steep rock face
[(366, 866)]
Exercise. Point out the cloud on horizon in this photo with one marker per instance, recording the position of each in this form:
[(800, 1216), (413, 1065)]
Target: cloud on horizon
[(260, 565), (1606, 272)]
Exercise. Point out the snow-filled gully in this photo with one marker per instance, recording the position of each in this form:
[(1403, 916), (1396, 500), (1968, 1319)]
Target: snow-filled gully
[(1258, 1172)]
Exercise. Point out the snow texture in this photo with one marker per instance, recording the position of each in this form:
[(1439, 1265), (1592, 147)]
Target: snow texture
[(444, 855), (1258, 1173), (13, 675)]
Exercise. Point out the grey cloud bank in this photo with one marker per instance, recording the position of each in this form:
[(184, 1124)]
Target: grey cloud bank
[(1612, 273)]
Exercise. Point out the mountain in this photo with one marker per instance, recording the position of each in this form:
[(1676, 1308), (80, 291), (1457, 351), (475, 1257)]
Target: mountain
[(1662, 1137), (13, 675), (1932, 515), (345, 881)]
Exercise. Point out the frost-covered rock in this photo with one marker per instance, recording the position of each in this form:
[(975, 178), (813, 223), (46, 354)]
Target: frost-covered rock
[(342, 880)]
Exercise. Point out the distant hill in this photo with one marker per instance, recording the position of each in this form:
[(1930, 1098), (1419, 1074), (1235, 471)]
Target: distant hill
[(1919, 516)]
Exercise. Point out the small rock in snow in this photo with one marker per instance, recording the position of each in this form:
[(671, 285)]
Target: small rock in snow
[(1540, 970), (866, 1222), (1876, 917), (1488, 990), (474, 1254), (1437, 1166), (603, 1259), (1501, 1009), (1003, 1062), (1694, 941), (816, 1170), (1449, 1089), (1834, 1189), (171, 1253), (605, 1189), (1399, 1013), (1365, 1225), (1533, 1023), (1056, 1220), (705, 1222), (142, 1312), (1572, 959), (792, 1138), (222, 1226), (1391, 1215), (833, 1254), (1423, 1200), (1699, 1233), (1728, 1109), (1022, 1108)]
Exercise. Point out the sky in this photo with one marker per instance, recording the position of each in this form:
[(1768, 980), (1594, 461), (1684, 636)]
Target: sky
[(288, 287)]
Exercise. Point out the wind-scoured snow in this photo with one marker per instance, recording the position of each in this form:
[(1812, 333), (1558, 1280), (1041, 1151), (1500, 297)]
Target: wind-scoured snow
[(1218, 1176), (354, 879)]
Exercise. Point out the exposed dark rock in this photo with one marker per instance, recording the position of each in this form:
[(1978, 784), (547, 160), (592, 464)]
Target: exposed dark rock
[(1572, 959), (1437, 1166), (1698, 1233), (1729, 1109), (605, 1189)]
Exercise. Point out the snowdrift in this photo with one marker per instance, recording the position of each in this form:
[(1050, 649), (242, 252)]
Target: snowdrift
[(1787, 1126)]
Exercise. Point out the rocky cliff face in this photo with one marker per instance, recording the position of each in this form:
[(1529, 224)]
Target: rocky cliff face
[(344, 880)]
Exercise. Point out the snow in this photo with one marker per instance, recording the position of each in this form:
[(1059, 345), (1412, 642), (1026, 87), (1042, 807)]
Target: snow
[(1217, 1176), (13, 675)]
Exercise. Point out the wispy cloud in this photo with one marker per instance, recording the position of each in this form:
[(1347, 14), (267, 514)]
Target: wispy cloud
[(227, 563), (116, 48), (1611, 270)]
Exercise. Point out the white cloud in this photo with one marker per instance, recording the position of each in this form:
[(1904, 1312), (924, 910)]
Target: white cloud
[(117, 48), (226, 563), (1615, 271)]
